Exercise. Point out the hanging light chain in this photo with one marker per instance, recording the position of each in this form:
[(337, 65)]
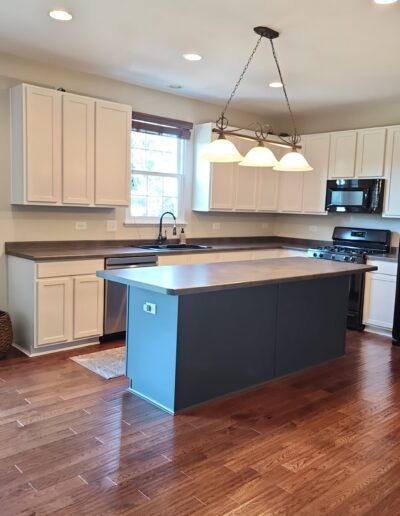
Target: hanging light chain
[(295, 138), (222, 121)]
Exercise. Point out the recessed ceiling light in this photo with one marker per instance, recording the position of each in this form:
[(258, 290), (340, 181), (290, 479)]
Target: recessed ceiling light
[(384, 2), (192, 57), (175, 86), (275, 85), (60, 15)]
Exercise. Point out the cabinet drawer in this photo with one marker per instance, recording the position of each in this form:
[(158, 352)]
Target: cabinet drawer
[(68, 268), (384, 267)]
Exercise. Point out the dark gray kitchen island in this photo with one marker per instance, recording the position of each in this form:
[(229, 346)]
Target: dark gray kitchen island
[(198, 332)]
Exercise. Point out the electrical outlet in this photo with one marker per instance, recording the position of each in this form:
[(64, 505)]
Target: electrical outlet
[(111, 225), (216, 226), (80, 225), (150, 308)]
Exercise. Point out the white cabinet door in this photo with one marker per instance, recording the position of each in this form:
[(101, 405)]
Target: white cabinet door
[(370, 152), (267, 189), (88, 306), (246, 184), (264, 254), (43, 145), (173, 259), (342, 156), (112, 156), (379, 298), (222, 188), (235, 256), (202, 257), (392, 173), (316, 150), (54, 311), (245, 180), (78, 149), (291, 191)]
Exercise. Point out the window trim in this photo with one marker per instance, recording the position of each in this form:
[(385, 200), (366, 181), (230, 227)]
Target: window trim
[(180, 216)]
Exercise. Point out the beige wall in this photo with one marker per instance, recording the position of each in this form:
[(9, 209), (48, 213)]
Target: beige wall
[(18, 223)]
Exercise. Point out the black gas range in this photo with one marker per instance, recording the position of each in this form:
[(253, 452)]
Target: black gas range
[(353, 245)]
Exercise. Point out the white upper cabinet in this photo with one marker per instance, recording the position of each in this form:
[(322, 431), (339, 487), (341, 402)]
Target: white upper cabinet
[(36, 145), (112, 157), (371, 152), (222, 186), (316, 150), (392, 173), (291, 191), (228, 186), (78, 150), (246, 179), (342, 158), (267, 189), (66, 148)]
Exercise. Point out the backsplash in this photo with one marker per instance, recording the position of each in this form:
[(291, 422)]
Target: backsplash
[(321, 227)]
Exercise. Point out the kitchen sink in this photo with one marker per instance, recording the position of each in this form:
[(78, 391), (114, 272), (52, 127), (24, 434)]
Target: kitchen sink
[(174, 246)]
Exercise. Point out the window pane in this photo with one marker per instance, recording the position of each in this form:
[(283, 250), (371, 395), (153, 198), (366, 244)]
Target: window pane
[(139, 185), (170, 186), (154, 206), (170, 204), (138, 206), (155, 186), (154, 153)]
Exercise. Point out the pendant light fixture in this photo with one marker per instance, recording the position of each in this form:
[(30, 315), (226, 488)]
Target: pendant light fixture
[(222, 150)]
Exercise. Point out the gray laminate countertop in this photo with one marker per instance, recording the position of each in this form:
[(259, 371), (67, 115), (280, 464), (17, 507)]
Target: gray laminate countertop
[(191, 279)]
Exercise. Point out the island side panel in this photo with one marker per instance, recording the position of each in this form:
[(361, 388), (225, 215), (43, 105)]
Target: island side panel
[(151, 346), (226, 342), (311, 323)]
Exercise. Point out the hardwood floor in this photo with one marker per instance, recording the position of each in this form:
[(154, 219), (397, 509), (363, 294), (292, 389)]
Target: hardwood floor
[(324, 441)]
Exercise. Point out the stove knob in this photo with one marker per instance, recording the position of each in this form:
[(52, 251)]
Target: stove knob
[(321, 255), (353, 259), (333, 257), (315, 255), (346, 258)]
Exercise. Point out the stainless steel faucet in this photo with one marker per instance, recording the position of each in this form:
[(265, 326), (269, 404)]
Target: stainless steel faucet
[(161, 239)]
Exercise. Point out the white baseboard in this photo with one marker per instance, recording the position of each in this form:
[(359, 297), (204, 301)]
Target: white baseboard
[(49, 351), (379, 331)]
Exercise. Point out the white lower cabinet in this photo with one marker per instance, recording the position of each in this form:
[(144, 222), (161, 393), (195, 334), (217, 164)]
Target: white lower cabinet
[(55, 305), (54, 311), (88, 306), (172, 259), (379, 296)]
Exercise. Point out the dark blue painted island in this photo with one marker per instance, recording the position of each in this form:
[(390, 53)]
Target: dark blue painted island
[(198, 332)]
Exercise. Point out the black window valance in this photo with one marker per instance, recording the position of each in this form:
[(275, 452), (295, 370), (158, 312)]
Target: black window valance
[(154, 124)]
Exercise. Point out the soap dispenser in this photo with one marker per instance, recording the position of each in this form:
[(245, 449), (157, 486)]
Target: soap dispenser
[(182, 236)]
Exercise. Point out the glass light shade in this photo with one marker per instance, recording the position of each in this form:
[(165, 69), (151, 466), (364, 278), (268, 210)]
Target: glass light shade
[(293, 162), (259, 156), (221, 150)]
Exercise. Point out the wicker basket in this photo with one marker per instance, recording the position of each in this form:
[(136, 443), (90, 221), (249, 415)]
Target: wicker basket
[(6, 333)]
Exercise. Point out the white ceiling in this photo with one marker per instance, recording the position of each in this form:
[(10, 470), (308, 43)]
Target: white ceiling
[(332, 52)]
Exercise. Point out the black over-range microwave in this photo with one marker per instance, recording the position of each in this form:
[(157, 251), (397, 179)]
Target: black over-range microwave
[(355, 195)]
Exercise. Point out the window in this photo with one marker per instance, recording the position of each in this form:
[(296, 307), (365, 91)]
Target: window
[(157, 157)]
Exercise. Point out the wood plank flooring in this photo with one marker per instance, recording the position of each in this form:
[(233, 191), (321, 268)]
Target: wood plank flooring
[(323, 441)]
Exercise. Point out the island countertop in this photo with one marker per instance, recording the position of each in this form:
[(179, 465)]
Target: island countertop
[(191, 279)]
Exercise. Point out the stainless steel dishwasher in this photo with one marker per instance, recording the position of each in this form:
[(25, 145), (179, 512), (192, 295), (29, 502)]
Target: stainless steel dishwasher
[(115, 294)]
